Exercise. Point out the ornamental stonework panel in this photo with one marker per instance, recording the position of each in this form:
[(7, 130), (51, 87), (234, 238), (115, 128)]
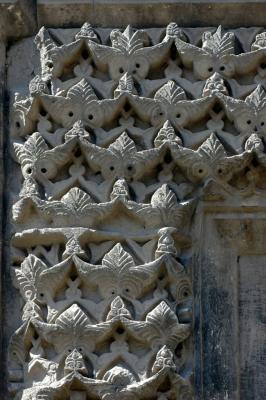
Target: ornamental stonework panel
[(136, 169)]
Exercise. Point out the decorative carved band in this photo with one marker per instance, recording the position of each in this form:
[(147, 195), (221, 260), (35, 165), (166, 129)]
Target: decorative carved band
[(117, 140)]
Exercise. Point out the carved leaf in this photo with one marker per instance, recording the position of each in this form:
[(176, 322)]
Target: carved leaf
[(214, 85), (82, 92), (117, 275), (126, 84), (260, 42), (257, 98), (166, 134), (118, 309), (164, 197), (78, 131), (161, 327), (120, 190), (43, 39), (164, 209), (254, 142), (32, 149), (128, 41), (87, 32), (166, 243), (164, 358), (73, 319), (75, 363), (123, 147), (212, 149), (172, 30), (72, 329), (38, 86), (170, 93), (118, 260), (26, 277), (210, 160), (77, 201), (218, 43)]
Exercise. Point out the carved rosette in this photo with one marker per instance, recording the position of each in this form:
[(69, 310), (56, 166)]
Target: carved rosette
[(113, 163)]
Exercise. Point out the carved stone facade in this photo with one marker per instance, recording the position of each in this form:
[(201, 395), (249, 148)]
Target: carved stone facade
[(122, 137)]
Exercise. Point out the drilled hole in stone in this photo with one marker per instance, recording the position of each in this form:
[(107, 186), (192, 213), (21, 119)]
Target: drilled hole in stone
[(70, 114), (120, 330), (85, 54), (217, 108), (168, 158), (43, 170), (127, 107), (90, 117), (43, 112)]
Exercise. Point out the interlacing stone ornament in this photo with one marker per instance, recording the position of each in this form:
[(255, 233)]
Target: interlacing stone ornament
[(119, 138)]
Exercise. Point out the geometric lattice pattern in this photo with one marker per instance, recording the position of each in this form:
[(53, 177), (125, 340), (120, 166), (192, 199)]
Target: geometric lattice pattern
[(118, 140)]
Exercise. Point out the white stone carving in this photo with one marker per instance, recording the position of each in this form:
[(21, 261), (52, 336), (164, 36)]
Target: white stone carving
[(116, 144)]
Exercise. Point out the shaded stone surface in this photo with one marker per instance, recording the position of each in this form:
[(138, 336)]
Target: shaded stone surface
[(205, 221)]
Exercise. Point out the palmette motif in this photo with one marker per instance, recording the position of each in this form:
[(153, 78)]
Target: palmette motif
[(117, 141)]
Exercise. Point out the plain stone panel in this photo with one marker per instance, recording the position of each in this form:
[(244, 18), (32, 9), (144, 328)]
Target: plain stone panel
[(252, 328), (150, 13), (218, 307)]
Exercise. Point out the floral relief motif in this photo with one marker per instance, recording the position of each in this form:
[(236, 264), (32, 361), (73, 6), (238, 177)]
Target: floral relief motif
[(120, 136)]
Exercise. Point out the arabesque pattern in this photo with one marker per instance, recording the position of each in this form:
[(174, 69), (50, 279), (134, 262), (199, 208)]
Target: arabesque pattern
[(117, 140)]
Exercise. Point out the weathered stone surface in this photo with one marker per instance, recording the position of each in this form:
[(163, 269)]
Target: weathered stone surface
[(2, 129), (21, 18), (139, 167), (17, 18)]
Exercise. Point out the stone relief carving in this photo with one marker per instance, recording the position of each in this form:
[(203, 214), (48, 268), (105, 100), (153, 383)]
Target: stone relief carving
[(118, 139)]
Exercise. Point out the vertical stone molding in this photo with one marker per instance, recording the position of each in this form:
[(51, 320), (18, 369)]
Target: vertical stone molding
[(120, 137), (2, 130)]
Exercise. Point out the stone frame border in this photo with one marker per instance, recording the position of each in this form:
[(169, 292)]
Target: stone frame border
[(21, 18)]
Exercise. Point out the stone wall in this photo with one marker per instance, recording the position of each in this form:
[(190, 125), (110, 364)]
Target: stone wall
[(133, 262)]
